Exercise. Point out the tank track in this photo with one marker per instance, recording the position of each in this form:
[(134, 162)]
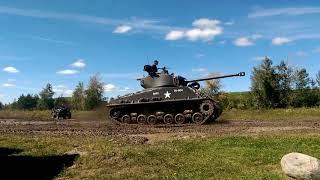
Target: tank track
[(166, 113)]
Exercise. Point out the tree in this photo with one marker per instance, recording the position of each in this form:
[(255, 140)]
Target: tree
[(284, 80), (304, 95), (301, 78), (213, 87), (318, 78), (46, 98), (1, 106), (94, 92), (264, 85), (79, 97), (59, 101), (27, 102)]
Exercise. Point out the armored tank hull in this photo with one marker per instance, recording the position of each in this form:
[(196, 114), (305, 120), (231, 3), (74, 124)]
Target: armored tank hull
[(164, 106)]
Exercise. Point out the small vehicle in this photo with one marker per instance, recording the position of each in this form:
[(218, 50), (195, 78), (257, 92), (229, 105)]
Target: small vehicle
[(61, 112)]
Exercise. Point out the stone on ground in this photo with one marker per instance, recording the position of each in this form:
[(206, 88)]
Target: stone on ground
[(301, 166)]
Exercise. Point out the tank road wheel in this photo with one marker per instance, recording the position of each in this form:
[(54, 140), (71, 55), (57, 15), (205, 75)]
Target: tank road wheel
[(152, 120), (179, 118), (168, 119), (197, 118), (115, 114), (125, 119), (141, 119), (207, 107)]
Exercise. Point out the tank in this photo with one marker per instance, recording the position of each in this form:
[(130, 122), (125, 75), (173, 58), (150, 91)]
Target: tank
[(166, 99)]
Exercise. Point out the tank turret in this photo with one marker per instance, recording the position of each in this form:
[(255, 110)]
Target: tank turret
[(166, 99), (164, 79)]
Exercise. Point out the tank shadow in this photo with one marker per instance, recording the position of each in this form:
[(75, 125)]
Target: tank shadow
[(15, 166)]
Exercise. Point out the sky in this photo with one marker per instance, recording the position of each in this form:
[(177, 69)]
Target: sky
[(63, 42)]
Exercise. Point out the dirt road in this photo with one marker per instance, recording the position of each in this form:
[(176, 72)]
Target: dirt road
[(104, 127)]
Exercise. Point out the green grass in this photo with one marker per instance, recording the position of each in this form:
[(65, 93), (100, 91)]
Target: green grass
[(273, 114), (29, 115), (209, 158), (46, 115), (233, 114)]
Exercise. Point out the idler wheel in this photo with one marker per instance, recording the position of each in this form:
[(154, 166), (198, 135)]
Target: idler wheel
[(168, 119), (141, 119), (197, 118), (125, 119), (179, 118), (206, 107), (152, 119)]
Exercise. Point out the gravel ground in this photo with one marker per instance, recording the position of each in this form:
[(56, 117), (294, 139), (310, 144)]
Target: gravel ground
[(105, 127)]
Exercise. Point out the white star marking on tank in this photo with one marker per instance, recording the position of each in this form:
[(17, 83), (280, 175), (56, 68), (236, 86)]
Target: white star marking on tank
[(167, 95)]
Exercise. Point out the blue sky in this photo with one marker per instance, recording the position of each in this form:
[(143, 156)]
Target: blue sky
[(64, 42)]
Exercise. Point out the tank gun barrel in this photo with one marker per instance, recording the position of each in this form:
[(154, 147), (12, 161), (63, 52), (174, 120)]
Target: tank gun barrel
[(217, 77)]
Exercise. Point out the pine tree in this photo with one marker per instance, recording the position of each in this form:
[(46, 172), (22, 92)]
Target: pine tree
[(46, 98), (264, 85)]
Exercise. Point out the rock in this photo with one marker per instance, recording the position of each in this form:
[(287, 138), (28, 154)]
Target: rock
[(301, 166)]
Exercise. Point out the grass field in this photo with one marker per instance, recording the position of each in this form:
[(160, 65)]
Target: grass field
[(46, 115), (242, 157), (273, 114)]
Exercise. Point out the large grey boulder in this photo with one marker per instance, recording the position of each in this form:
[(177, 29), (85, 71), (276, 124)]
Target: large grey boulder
[(301, 166)]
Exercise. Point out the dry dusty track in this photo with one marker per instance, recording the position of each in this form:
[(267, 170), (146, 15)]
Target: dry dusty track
[(104, 127)]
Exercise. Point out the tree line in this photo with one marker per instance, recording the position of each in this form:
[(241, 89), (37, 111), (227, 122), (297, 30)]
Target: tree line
[(272, 86), (82, 98)]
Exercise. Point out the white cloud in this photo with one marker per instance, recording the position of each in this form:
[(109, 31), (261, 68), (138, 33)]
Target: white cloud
[(62, 90), (8, 85), (243, 41), (229, 23), (124, 89), (204, 30), (122, 29), (58, 89), (199, 70), (68, 92), (205, 23), (10, 69), (68, 72), (290, 11), (143, 24), (259, 58), (247, 40), (1, 95), (79, 64), (203, 34), (174, 35), (59, 86), (278, 41), (109, 87)]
